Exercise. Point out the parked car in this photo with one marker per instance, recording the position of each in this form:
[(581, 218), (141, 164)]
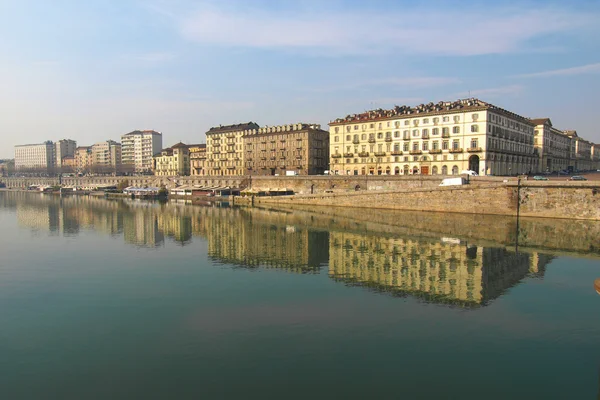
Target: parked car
[(577, 178), (469, 172), (540, 178)]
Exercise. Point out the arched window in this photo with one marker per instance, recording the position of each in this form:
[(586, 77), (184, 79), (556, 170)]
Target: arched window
[(397, 171), (455, 170), (434, 170), (380, 135), (444, 170)]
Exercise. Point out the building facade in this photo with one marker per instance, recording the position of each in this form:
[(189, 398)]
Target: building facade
[(581, 152), (106, 156), (552, 145), (35, 157), (174, 161), (301, 149), (63, 148), (138, 149), (225, 149), (444, 138), (83, 159), (198, 159)]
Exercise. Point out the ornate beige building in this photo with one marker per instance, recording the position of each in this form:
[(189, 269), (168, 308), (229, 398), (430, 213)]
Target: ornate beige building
[(553, 146), (225, 149), (83, 158), (443, 138), (198, 159), (581, 152), (174, 161), (301, 149)]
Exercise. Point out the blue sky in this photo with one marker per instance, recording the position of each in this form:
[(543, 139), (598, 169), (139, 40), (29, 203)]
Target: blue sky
[(93, 70)]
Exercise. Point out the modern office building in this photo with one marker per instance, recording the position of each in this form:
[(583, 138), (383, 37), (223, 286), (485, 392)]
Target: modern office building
[(442, 138), (138, 149), (35, 157)]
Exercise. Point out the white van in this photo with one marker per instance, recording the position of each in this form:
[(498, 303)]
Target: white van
[(453, 182)]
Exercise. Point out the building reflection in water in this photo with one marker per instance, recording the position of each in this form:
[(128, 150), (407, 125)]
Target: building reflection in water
[(446, 271), (434, 269)]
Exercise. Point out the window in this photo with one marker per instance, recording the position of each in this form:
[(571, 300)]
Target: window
[(435, 131), (337, 129), (436, 120), (355, 127), (397, 147), (446, 119), (373, 125), (425, 120), (456, 129), (348, 128), (380, 135), (425, 133), (445, 145), (475, 117), (336, 139), (457, 118), (348, 138), (474, 128), (406, 122), (396, 134), (425, 146), (388, 124), (406, 134), (397, 124), (415, 122), (415, 132), (455, 144), (356, 138), (415, 146), (363, 136), (405, 146), (435, 145), (445, 131), (474, 143)]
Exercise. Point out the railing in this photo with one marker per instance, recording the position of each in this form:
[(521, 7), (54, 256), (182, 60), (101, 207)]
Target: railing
[(445, 135), (406, 138), (371, 140), (356, 141), (336, 156), (397, 153), (435, 151), (474, 149), (415, 152), (348, 155), (363, 154), (388, 139), (455, 150), (380, 154)]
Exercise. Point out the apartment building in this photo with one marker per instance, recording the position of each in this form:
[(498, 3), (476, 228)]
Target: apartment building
[(138, 149), (580, 152), (225, 149), (173, 161), (553, 146), (443, 138), (106, 156), (83, 159), (63, 148), (39, 157), (302, 149), (198, 159)]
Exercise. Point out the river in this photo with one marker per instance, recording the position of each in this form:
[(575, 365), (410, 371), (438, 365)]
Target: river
[(114, 299)]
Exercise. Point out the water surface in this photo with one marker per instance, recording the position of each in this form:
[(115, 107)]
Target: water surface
[(111, 299)]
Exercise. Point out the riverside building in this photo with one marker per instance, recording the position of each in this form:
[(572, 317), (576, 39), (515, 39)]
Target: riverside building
[(443, 138), (198, 159), (83, 159), (225, 149), (174, 161), (106, 156), (38, 157), (138, 149), (299, 149), (64, 148)]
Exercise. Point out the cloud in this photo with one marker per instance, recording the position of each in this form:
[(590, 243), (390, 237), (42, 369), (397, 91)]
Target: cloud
[(425, 31), (584, 69), (493, 92)]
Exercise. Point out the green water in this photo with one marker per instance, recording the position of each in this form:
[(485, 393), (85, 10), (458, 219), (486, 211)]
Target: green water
[(107, 299)]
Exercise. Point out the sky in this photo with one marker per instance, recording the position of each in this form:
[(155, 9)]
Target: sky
[(94, 70)]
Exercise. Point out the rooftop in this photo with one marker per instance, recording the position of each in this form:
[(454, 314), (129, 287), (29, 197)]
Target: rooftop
[(143, 131), (442, 107), (233, 128)]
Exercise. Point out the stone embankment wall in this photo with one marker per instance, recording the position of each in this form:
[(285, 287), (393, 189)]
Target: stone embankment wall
[(573, 200)]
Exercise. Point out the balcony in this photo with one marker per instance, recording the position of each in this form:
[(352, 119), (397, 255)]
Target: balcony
[(435, 151), (406, 138), (336, 156), (380, 154), (356, 141), (371, 140), (363, 154), (415, 152), (348, 155), (455, 150), (445, 135), (474, 149), (425, 136), (397, 153), (231, 151)]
